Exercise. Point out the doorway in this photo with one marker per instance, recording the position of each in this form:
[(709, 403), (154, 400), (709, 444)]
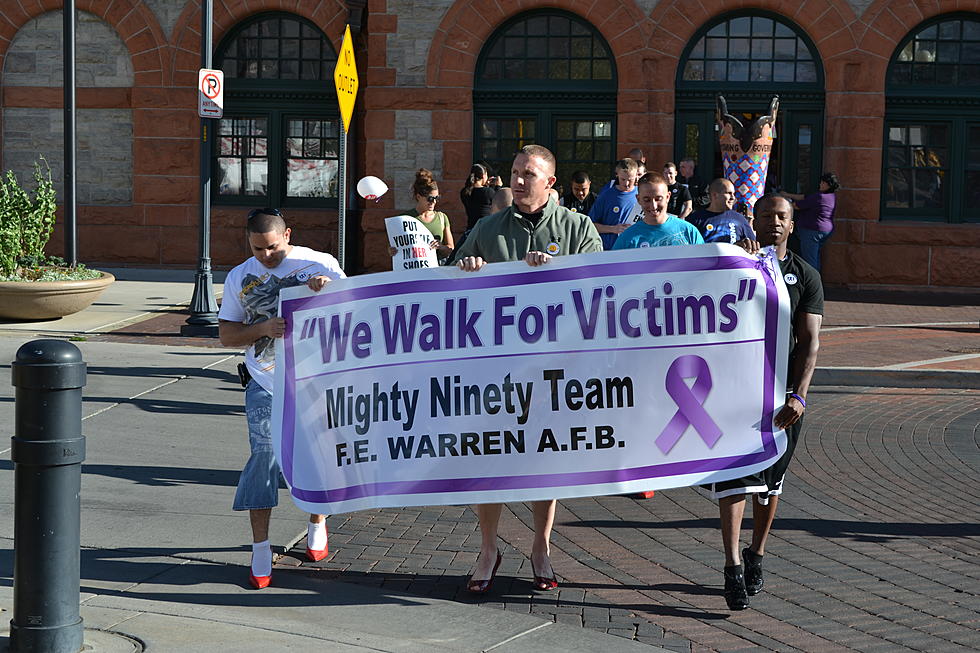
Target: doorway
[(797, 154)]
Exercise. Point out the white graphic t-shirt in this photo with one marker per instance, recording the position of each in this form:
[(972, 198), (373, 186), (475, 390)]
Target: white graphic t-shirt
[(251, 295)]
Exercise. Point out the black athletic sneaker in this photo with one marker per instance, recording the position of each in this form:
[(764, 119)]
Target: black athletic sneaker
[(735, 595), (753, 571)]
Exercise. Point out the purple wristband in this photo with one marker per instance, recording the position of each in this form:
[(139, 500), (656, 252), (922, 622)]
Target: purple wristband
[(798, 398)]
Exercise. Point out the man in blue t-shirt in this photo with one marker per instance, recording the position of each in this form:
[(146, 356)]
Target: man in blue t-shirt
[(615, 203), (657, 228), (719, 223)]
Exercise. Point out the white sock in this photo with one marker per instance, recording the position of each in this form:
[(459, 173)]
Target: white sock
[(261, 559), (316, 536)]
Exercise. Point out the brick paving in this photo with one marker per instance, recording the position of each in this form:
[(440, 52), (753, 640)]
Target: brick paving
[(860, 331), (885, 346), (875, 547), (847, 308), (163, 329)]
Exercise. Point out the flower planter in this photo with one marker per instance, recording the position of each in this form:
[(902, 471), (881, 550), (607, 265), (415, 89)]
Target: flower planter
[(46, 300)]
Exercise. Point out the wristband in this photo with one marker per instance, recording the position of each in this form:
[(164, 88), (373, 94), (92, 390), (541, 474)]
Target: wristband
[(798, 398)]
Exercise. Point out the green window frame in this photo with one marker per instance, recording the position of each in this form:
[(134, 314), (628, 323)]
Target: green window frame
[(546, 77), (278, 142), (754, 47), (748, 56), (931, 142), (546, 46)]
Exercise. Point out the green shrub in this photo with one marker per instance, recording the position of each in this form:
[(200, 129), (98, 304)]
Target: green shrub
[(26, 220)]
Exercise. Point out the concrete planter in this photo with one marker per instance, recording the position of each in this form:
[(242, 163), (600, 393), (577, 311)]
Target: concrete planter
[(46, 300)]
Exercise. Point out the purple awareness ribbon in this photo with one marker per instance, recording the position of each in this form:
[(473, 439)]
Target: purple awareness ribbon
[(690, 403)]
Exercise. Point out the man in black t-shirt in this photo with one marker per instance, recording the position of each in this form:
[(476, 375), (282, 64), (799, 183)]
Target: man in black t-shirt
[(679, 203), (697, 188), (579, 198), (743, 570)]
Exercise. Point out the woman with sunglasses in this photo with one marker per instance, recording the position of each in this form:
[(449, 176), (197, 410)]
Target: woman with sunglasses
[(426, 194)]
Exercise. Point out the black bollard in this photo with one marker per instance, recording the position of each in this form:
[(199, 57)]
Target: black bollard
[(47, 452)]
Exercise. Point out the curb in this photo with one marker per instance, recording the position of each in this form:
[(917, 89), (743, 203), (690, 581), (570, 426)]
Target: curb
[(872, 376)]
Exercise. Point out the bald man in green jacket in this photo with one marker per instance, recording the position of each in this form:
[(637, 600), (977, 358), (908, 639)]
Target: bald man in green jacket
[(533, 224), (533, 229)]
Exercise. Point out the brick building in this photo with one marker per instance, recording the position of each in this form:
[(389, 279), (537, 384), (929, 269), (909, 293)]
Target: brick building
[(884, 93)]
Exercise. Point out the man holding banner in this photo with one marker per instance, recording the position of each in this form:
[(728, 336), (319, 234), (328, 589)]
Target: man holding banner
[(743, 574), (533, 229), (540, 377), (248, 318)]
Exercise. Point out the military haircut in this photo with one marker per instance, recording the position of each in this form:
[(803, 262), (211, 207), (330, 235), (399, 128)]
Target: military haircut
[(263, 221), (544, 153), (772, 198), (718, 185)]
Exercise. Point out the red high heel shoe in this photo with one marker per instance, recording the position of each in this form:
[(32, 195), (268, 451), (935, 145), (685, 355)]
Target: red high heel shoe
[(259, 582), (543, 583), (483, 586), (315, 555)]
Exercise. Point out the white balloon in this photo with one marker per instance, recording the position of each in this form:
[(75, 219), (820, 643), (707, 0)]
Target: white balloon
[(371, 188)]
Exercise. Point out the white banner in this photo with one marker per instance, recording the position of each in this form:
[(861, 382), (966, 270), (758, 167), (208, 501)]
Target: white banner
[(412, 242), (594, 374)]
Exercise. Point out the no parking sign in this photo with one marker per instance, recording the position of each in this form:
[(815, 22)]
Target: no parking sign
[(210, 93)]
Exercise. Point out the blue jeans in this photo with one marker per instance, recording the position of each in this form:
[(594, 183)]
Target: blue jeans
[(811, 241), (258, 486)]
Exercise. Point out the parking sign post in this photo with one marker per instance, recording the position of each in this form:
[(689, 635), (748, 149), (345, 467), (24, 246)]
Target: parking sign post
[(203, 320), (345, 79)]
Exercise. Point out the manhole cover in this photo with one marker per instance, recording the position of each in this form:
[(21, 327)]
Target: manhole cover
[(107, 641)]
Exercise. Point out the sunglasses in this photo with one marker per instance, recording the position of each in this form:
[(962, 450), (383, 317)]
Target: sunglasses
[(266, 211), (432, 199)]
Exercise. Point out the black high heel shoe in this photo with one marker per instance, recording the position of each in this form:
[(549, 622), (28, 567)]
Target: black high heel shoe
[(483, 586)]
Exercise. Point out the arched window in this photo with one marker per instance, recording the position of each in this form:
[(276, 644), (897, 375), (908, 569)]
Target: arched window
[(751, 49), (749, 56), (932, 130), (278, 141), (546, 77)]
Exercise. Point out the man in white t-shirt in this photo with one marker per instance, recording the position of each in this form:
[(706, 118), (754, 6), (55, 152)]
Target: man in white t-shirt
[(248, 318)]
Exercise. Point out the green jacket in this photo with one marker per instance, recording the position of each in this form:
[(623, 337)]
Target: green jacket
[(507, 236)]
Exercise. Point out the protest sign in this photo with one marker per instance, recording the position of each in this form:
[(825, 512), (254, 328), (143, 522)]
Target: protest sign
[(413, 243), (593, 374)]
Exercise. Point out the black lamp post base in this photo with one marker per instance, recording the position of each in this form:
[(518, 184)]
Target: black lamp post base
[(204, 308), (202, 330)]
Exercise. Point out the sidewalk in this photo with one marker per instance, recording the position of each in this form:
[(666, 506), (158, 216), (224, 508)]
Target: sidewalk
[(162, 562), (900, 340)]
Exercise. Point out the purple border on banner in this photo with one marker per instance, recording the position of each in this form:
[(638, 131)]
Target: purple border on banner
[(515, 279), (427, 486)]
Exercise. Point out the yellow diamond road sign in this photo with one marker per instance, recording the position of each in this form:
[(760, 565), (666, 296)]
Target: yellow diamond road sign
[(345, 76)]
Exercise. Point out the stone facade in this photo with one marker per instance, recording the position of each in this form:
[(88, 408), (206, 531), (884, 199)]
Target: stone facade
[(104, 163), (35, 55), (408, 48), (167, 13), (105, 136), (408, 151), (416, 65)]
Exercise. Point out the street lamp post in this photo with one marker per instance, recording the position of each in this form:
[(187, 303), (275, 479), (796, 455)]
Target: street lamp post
[(68, 28), (203, 320)]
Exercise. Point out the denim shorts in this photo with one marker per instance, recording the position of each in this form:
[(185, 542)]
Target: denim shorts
[(258, 486)]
